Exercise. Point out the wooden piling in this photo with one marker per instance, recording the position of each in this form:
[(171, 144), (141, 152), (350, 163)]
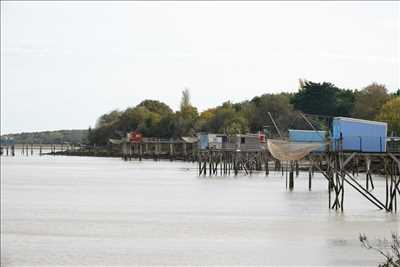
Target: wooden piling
[(171, 151), (291, 176), (291, 180)]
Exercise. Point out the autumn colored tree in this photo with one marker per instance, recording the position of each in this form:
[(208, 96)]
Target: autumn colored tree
[(187, 116), (369, 101), (390, 113), (156, 119)]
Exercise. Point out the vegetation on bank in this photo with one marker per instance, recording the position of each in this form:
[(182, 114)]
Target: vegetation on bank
[(50, 137), (389, 249), (156, 119)]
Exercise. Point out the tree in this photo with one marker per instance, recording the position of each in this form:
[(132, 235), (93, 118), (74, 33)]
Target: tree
[(108, 119), (390, 113), (369, 101), (278, 105), (185, 100), (187, 116), (323, 99), (344, 102), (225, 119), (202, 124), (150, 126), (168, 126), (156, 106), (317, 98)]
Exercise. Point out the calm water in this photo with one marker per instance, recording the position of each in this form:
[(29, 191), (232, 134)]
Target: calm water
[(102, 211)]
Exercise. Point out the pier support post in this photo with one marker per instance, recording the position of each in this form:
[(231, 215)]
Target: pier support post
[(171, 151), (291, 176), (124, 151), (199, 163), (184, 151), (368, 176)]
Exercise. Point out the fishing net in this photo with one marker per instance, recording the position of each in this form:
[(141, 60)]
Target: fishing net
[(284, 150)]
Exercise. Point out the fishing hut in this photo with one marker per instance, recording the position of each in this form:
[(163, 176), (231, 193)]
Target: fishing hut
[(350, 152), (7, 146), (351, 147), (135, 145), (231, 153)]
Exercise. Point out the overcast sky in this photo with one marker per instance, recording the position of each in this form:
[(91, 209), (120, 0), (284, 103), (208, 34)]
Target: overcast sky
[(63, 64)]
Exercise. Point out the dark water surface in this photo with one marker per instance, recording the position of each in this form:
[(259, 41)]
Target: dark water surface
[(103, 211)]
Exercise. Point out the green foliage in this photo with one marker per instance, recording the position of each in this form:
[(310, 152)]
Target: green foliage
[(51, 137), (108, 119), (344, 102), (323, 99), (227, 118), (185, 119), (156, 119), (185, 101), (315, 98), (280, 108), (156, 106)]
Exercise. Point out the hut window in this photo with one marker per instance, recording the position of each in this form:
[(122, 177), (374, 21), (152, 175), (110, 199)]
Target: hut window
[(242, 140)]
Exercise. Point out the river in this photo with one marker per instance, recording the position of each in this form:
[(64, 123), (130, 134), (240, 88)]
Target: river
[(58, 210)]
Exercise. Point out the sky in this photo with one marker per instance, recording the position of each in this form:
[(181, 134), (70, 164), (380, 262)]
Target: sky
[(63, 64)]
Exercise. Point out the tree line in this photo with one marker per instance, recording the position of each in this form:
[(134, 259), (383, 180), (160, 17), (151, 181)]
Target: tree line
[(48, 137), (156, 119)]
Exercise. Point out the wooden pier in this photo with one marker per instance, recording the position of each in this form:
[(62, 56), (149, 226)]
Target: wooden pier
[(338, 168), (40, 149), (156, 148), (227, 161)]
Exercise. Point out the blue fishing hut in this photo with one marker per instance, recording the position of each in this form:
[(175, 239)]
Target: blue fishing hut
[(358, 135)]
